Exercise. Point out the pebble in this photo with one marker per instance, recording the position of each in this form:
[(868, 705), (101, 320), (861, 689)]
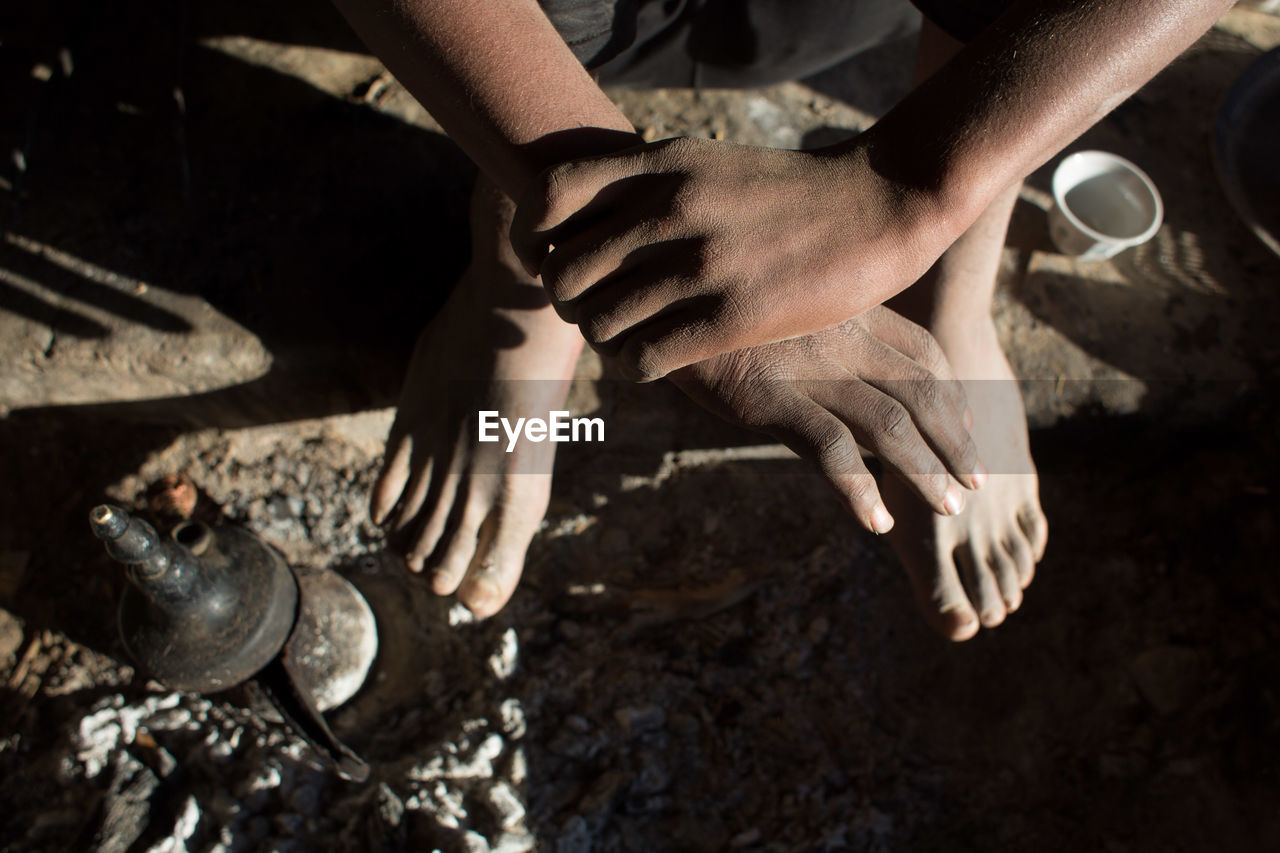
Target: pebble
[(636, 720), (390, 806), (506, 805), (474, 842), (11, 635)]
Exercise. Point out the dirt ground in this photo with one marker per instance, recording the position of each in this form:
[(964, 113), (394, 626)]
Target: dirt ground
[(223, 226)]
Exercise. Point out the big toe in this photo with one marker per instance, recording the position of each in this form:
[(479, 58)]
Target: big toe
[(499, 562), (939, 593)]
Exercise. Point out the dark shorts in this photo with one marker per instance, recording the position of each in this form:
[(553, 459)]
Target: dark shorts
[(739, 43)]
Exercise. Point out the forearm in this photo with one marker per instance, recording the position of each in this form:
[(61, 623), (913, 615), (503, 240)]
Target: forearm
[(498, 78), (1031, 83)]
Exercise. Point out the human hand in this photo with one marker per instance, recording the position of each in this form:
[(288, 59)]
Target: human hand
[(670, 253), (877, 380)]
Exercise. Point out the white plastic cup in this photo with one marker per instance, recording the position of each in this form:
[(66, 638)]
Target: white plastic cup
[(1102, 205)]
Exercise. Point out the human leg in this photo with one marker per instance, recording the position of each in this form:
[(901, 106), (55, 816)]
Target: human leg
[(467, 510), (970, 569)]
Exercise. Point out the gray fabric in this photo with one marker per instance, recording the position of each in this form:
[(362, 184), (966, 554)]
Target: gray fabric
[(740, 43), (722, 43)]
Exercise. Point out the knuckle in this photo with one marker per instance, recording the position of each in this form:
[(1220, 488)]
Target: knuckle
[(894, 425), (862, 490), (834, 448), (685, 204), (548, 191), (928, 395), (597, 328), (729, 322), (926, 348), (644, 358), (748, 399)]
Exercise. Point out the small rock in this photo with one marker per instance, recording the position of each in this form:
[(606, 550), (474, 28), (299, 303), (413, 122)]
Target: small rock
[(506, 805), (474, 842), (652, 779), (636, 720), (514, 724)]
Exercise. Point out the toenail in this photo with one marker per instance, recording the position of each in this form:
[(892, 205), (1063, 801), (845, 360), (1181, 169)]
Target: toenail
[(960, 618), (953, 503), (881, 521), (979, 477), (481, 593)]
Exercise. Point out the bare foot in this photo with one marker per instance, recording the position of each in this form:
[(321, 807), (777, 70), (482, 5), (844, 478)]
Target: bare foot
[(467, 510), (970, 569)]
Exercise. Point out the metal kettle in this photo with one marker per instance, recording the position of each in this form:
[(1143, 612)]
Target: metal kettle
[(209, 608)]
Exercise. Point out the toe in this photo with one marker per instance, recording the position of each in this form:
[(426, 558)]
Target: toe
[(1036, 528), (391, 479), (983, 589), (1005, 570), (503, 542), (499, 561), (939, 593), (438, 506), (413, 495), (1023, 555), (459, 547)]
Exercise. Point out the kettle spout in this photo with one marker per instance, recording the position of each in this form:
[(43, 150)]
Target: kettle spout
[(163, 569)]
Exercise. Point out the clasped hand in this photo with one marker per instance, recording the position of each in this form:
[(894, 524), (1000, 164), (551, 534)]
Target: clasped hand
[(670, 253)]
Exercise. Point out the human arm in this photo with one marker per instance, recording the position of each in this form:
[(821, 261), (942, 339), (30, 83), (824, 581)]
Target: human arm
[(498, 78), (503, 84), (672, 252)]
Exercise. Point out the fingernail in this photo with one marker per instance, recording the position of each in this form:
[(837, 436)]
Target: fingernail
[(953, 502), (881, 521), (979, 477)]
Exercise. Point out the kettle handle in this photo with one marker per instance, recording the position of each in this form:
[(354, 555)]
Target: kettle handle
[(280, 684)]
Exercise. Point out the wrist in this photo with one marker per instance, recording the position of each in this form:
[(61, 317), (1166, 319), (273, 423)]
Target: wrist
[(908, 212), (939, 194)]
